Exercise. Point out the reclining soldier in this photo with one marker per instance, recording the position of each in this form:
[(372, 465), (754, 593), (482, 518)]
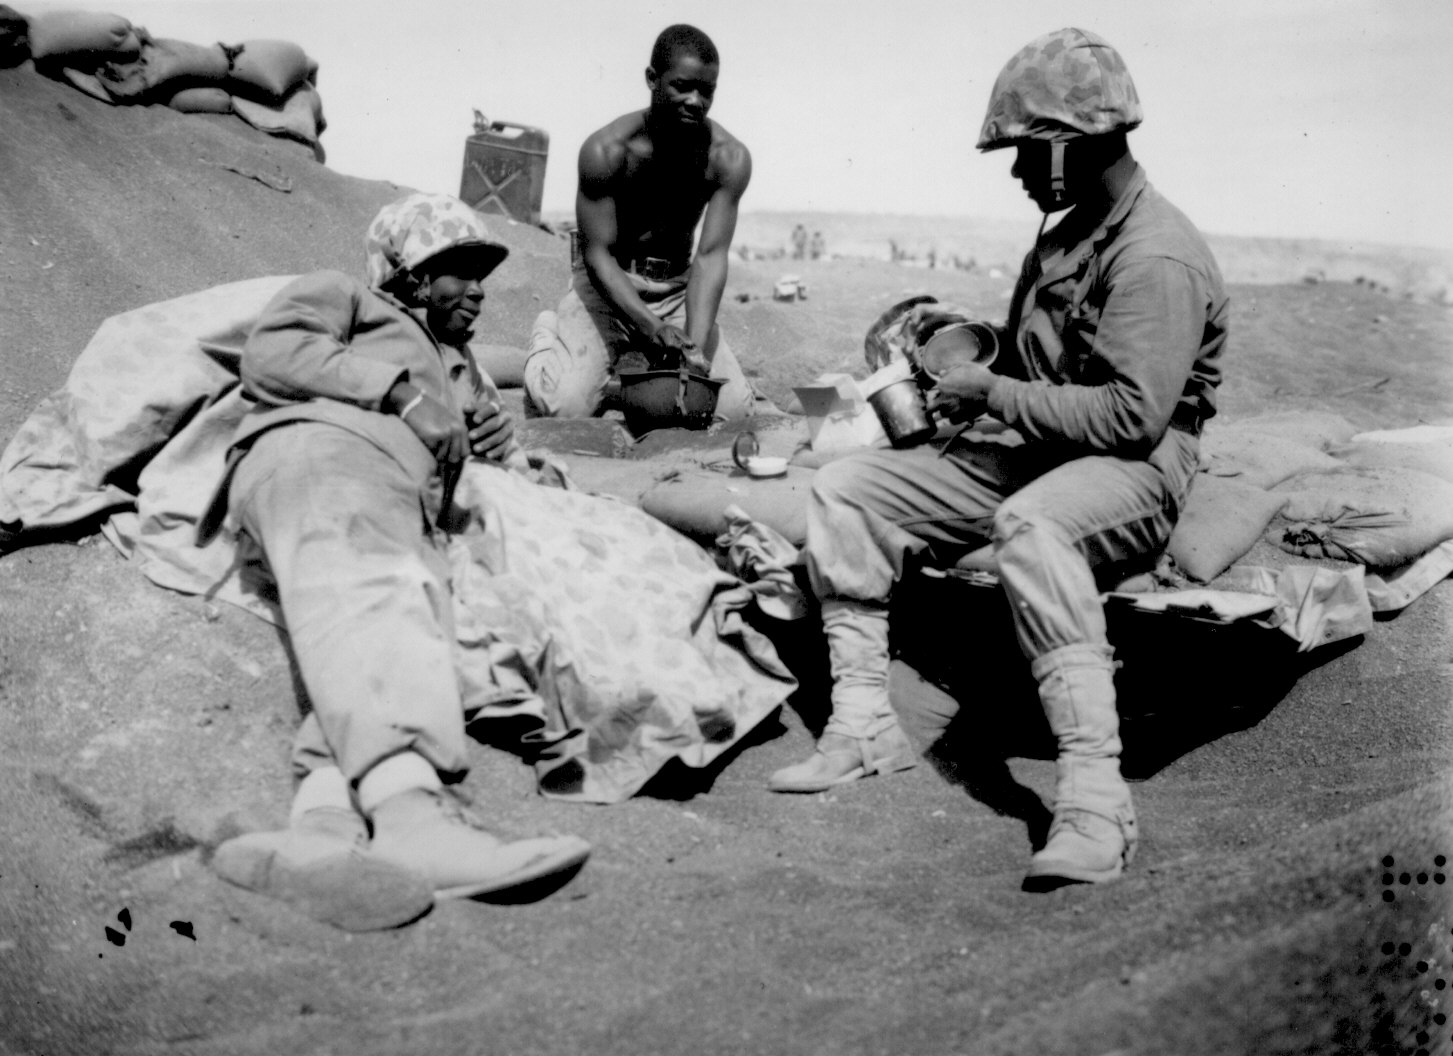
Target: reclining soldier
[(365, 398), (1109, 362)]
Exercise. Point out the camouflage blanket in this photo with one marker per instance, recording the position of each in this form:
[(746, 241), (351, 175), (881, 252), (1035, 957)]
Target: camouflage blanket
[(592, 638)]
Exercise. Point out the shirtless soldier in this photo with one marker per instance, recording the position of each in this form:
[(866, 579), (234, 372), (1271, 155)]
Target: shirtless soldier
[(646, 180)]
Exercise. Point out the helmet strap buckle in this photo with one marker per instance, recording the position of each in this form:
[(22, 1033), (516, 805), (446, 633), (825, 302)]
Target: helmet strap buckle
[(1057, 171)]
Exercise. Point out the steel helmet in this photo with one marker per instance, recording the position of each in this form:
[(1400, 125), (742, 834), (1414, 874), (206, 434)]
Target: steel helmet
[(409, 231), (1058, 87)]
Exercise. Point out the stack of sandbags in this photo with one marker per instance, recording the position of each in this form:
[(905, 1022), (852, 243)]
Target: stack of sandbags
[(1232, 499), (270, 84), (1312, 485), (14, 37), (274, 88)]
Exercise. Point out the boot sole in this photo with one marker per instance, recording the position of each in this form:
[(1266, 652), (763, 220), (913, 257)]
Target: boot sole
[(885, 767), (816, 786), (347, 890), (1050, 877), (530, 882)]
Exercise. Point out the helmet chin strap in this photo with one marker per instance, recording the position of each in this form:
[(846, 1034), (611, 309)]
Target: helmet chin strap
[(1057, 172)]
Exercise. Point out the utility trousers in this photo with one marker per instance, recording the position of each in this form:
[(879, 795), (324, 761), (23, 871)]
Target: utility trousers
[(364, 590), (574, 350), (1053, 521)]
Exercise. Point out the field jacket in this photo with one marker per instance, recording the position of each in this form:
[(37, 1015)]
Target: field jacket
[(1118, 324), (328, 348)]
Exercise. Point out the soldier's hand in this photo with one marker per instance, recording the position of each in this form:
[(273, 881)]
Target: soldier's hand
[(962, 394), (440, 429), (926, 318), (673, 342), (491, 431)]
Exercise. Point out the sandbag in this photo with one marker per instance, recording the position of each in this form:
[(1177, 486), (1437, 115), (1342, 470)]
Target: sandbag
[(204, 100), (627, 479), (14, 37), (82, 38), (1425, 448), (695, 502), (298, 118), (1319, 429), (1382, 517), (1413, 434), (601, 437), (1259, 459), (269, 70), (1222, 519), (88, 83), (164, 68)]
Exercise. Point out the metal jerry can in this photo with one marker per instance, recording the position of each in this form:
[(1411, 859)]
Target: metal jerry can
[(504, 169)]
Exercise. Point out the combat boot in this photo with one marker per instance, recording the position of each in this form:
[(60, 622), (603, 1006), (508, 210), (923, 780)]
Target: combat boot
[(838, 759), (321, 863), (1093, 835), (862, 736), (417, 826)]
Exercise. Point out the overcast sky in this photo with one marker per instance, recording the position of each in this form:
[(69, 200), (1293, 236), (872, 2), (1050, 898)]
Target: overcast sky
[(1288, 118)]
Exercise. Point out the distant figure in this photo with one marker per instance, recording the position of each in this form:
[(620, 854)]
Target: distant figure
[(819, 245), (799, 242), (646, 180)]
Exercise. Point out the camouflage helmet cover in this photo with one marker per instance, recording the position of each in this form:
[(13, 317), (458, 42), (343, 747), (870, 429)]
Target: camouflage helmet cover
[(1062, 85), (407, 232)]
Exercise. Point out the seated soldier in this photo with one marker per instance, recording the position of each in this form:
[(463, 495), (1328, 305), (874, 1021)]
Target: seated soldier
[(1110, 362), (637, 291), (365, 401)]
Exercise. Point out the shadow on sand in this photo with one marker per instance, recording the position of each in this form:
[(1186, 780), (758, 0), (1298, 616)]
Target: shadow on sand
[(962, 687)]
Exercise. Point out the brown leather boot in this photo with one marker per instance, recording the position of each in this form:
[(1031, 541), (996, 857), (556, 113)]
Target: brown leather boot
[(863, 736), (838, 759), (321, 864), (428, 832), (1094, 832)]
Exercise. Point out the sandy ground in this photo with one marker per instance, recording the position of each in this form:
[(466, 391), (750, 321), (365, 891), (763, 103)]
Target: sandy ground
[(139, 728)]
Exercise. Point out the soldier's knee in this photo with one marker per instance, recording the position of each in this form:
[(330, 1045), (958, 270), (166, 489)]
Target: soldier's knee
[(1021, 524), (835, 482), (555, 391)]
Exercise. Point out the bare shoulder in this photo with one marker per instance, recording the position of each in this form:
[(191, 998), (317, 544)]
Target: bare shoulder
[(731, 161), (604, 152)]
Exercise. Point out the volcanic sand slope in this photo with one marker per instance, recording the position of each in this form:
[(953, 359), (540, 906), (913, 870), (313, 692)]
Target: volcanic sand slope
[(140, 727)]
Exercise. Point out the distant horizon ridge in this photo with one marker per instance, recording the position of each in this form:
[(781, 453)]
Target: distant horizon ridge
[(1006, 225)]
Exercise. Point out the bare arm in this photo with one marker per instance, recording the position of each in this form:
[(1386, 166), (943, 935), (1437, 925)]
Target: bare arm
[(601, 162), (709, 267)]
